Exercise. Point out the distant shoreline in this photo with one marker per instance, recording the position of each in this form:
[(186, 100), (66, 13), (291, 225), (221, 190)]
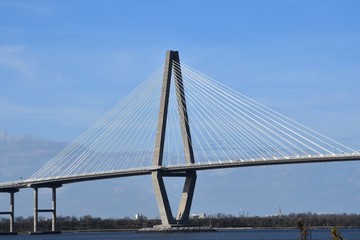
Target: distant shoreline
[(96, 224), (218, 229)]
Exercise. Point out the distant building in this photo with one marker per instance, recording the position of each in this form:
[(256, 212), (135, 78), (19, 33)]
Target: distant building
[(139, 216), (198, 215)]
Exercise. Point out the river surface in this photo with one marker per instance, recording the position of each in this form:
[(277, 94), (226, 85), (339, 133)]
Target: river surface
[(244, 234)]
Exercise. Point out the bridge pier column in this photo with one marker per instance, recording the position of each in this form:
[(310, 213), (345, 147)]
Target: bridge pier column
[(52, 210), (36, 208), (53, 222), (11, 211)]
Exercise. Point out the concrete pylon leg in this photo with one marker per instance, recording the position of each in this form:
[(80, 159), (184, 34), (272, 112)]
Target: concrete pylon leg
[(162, 199), (186, 198)]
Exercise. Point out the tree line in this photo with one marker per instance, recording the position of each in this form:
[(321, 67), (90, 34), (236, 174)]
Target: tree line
[(283, 221), (88, 222)]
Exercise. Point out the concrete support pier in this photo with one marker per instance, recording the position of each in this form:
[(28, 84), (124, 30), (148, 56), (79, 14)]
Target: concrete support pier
[(11, 211), (52, 210)]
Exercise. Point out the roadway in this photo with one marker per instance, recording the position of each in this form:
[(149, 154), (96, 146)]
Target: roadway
[(177, 170)]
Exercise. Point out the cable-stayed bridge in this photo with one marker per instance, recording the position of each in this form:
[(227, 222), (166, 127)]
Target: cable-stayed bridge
[(177, 122)]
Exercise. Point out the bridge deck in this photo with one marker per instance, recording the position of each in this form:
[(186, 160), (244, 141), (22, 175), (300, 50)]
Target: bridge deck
[(174, 170)]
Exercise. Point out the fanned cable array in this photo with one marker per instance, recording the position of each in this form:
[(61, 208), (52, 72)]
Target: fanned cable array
[(122, 139), (228, 126), (225, 126)]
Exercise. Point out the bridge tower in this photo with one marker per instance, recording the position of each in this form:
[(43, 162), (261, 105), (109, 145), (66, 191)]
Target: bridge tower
[(182, 217)]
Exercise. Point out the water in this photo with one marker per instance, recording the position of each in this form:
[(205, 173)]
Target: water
[(248, 234)]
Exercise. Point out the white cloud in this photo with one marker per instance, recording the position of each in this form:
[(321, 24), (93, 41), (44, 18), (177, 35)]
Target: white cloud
[(27, 7), (65, 116), (11, 48), (21, 156), (14, 59), (118, 190)]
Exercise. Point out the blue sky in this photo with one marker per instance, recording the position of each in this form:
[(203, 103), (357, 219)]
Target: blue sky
[(63, 64)]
